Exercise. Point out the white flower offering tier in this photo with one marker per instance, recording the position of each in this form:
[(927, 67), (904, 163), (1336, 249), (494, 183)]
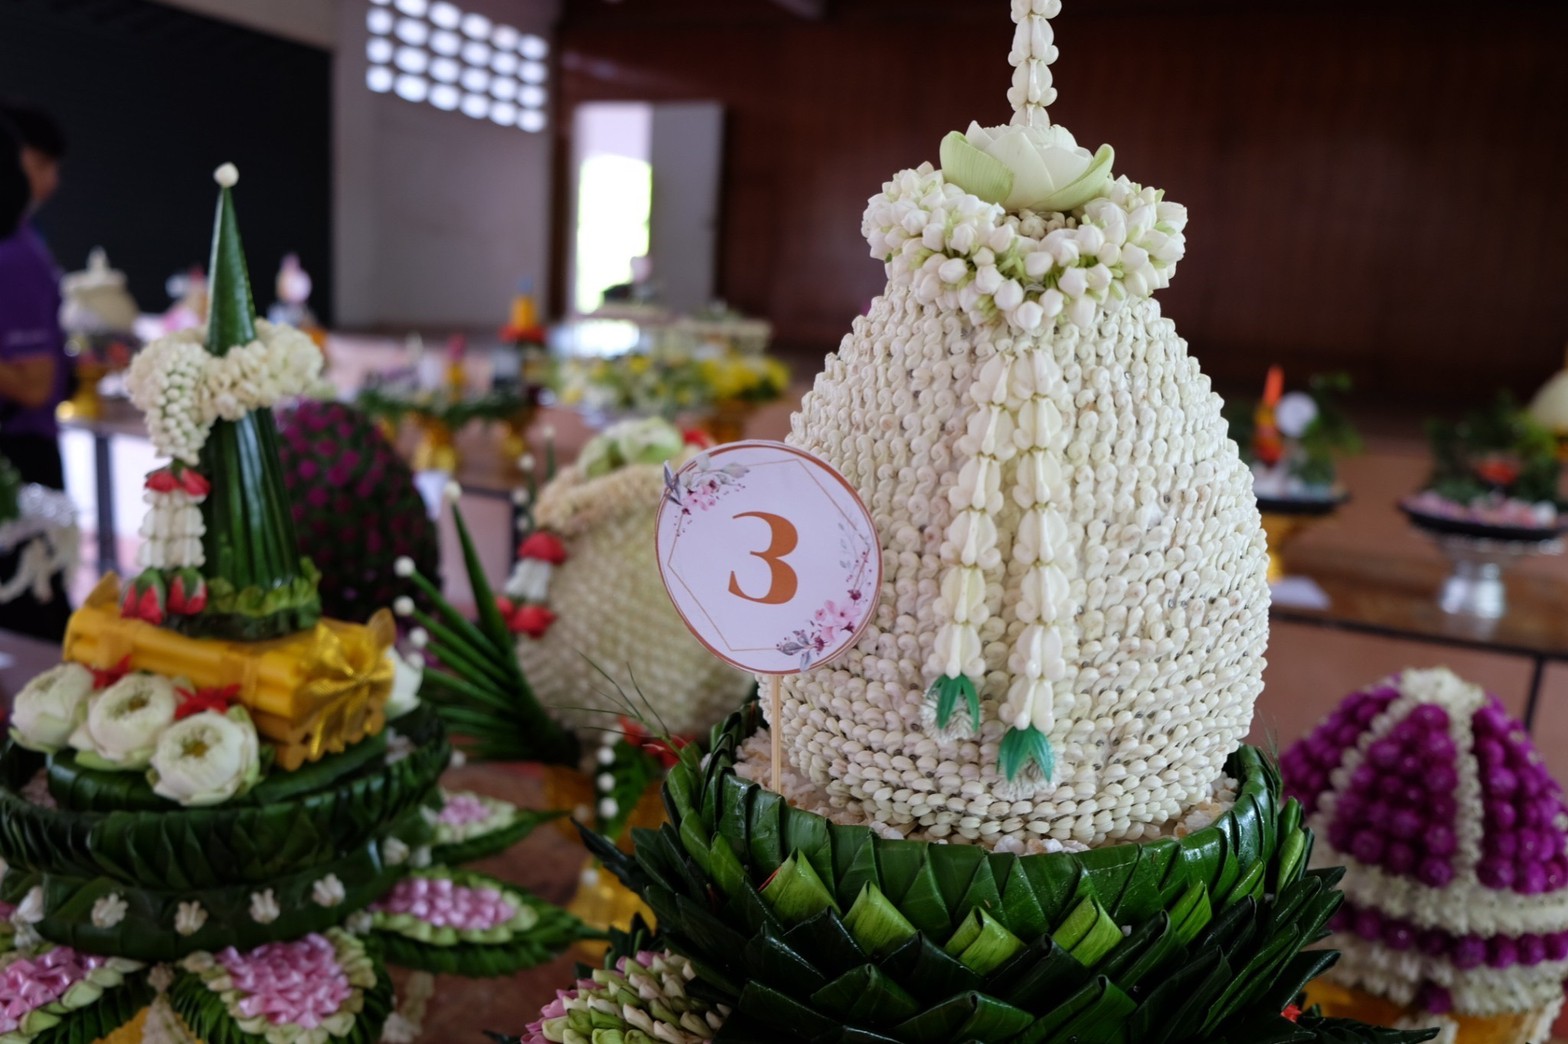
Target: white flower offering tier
[(45, 540), (1067, 528), (611, 613)]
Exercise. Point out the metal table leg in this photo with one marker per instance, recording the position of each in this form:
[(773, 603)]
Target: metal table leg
[(103, 478), (1537, 673)]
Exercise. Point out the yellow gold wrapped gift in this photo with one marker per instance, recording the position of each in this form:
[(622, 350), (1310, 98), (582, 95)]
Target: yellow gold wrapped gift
[(311, 694)]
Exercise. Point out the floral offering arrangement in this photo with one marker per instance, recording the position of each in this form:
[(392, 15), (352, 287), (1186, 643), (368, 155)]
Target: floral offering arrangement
[(585, 623), (1496, 469), (38, 527), (99, 318), (354, 505), (662, 383), (221, 814), (1020, 807), (1453, 835), (1292, 440)]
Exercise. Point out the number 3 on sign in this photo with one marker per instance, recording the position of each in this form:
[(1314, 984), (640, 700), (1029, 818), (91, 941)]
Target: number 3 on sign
[(785, 581), (769, 556)]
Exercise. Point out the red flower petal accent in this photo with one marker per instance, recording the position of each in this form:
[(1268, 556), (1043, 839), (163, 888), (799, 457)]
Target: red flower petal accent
[(532, 620), (544, 546), (699, 438), (194, 483), (149, 606), (218, 700), (162, 481), (103, 677), (1292, 1012)]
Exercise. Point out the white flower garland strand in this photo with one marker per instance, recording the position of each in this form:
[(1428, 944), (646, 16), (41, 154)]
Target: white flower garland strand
[(1033, 52), (960, 253), (172, 530), (183, 389), (971, 548)]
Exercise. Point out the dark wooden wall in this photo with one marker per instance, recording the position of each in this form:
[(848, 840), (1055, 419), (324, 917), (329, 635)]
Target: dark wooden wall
[(152, 100), (1377, 187)]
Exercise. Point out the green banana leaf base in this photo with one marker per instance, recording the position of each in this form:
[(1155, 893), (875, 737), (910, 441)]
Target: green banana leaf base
[(818, 932)]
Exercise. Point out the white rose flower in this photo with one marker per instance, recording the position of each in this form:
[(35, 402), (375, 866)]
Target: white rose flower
[(109, 910), (50, 707), (189, 918), (264, 907), (1025, 168), (394, 851), (406, 678), (124, 722), (31, 909), (206, 759)]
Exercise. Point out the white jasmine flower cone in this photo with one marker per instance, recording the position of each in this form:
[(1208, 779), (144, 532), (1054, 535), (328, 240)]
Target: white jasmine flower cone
[(124, 722), (612, 612), (207, 758), (50, 707)]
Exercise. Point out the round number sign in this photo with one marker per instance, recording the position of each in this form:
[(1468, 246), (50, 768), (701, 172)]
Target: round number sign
[(768, 555)]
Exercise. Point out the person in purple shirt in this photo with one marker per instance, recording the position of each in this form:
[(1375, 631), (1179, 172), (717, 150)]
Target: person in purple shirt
[(32, 363), (34, 369)]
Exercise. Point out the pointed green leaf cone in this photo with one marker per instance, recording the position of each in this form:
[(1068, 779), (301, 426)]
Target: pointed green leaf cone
[(876, 923), (1026, 753), (231, 315), (976, 172), (795, 892)]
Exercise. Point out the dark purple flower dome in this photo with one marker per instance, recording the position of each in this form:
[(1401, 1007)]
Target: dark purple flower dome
[(1453, 837), (355, 507)]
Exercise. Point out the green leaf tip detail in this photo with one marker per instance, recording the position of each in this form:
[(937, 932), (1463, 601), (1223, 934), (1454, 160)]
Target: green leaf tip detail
[(1025, 752), (974, 171), (945, 693)]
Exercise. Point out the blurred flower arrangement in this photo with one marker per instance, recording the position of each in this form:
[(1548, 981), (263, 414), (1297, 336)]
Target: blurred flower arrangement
[(671, 381), (1497, 466)]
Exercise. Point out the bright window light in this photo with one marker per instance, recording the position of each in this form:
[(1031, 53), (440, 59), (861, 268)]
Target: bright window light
[(412, 88), (413, 32), (433, 51), (412, 59)]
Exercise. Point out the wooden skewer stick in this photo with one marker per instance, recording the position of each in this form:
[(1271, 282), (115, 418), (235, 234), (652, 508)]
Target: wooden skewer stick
[(776, 699)]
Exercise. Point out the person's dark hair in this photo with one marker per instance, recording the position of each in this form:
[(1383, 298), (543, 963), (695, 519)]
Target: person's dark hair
[(35, 127), (15, 192)]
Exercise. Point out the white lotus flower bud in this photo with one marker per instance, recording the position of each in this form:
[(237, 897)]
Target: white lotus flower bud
[(124, 721), (1026, 168), (50, 707), (207, 758)]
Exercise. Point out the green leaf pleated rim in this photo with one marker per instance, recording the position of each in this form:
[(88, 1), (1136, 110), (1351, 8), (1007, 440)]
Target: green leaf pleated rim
[(818, 932), (513, 825), (549, 935), (116, 1006), (206, 848), (207, 1014)]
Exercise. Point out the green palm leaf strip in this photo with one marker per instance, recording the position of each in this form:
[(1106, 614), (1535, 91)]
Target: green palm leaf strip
[(846, 937), (476, 684)]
